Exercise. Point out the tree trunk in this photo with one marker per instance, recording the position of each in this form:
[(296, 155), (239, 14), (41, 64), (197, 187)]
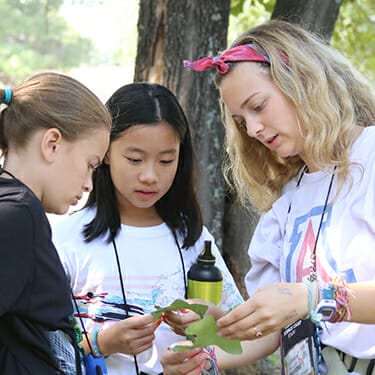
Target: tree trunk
[(318, 16), (169, 32)]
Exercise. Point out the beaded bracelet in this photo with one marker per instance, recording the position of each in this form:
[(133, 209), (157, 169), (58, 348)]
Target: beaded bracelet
[(94, 339)]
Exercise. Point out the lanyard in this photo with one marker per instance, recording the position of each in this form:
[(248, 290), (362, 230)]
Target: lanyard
[(313, 271), (123, 288)]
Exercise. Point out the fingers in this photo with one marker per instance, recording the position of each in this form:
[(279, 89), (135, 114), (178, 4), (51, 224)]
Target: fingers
[(239, 313), (243, 331), (138, 321), (242, 324), (271, 308), (237, 322), (136, 334), (130, 336), (138, 345), (180, 320), (189, 362)]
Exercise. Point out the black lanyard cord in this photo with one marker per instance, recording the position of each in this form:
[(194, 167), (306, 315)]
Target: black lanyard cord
[(2, 170), (122, 281), (313, 273), (124, 296), (182, 263)]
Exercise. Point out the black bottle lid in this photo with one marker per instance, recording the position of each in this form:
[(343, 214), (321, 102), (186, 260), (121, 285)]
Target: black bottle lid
[(206, 256), (204, 269)]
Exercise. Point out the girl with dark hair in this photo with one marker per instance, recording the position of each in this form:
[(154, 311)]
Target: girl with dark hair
[(129, 249)]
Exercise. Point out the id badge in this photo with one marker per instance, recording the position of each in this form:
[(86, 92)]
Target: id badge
[(299, 348)]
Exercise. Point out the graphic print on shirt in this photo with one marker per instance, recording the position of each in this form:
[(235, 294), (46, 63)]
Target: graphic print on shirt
[(302, 241), (143, 293), (101, 307)]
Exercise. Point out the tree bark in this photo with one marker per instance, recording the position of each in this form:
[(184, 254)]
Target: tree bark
[(319, 16), (169, 32)]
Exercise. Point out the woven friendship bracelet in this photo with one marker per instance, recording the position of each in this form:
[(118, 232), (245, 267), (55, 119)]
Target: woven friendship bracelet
[(214, 370), (341, 294)]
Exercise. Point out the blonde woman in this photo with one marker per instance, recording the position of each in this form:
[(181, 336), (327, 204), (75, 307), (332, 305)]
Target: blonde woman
[(299, 118)]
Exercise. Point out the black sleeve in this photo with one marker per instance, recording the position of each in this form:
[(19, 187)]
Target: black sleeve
[(16, 253)]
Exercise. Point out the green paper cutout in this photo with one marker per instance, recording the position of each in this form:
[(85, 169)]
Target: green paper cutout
[(179, 304), (204, 333)]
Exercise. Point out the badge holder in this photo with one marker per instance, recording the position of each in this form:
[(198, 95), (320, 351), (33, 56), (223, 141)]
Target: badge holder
[(300, 348)]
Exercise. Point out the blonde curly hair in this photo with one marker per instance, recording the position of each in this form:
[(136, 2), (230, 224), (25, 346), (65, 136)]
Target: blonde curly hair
[(330, 97)]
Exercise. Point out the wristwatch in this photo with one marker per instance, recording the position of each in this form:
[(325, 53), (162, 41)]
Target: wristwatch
[(327, 306)]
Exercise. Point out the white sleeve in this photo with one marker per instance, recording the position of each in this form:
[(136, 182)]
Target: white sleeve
[(265, 252)]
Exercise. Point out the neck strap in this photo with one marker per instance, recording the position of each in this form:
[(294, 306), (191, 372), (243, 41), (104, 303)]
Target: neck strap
[(313, 271), (2, 170), (123, 288)]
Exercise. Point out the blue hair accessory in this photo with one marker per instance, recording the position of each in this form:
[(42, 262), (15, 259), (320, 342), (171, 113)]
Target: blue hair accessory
[(7, 95)]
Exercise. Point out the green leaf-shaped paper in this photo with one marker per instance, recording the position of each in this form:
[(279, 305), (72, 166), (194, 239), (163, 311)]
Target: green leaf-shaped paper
[(179, 304), (204, 333)]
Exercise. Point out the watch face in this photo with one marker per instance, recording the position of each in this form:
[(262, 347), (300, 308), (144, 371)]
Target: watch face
[(327, 308), (327, 313)]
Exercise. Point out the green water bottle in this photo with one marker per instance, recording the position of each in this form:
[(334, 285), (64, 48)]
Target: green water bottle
[(205, 280)]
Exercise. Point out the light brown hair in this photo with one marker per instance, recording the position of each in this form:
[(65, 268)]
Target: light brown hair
[(50, 100)]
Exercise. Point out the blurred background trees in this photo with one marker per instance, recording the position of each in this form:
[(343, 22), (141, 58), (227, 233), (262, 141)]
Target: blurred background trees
[(65, 34), (33, 36)]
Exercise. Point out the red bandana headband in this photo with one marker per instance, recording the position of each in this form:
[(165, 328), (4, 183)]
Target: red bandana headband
[(243, 52)]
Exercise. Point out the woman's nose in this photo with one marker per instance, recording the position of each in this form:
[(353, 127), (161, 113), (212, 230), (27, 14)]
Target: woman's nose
[(253, 127)]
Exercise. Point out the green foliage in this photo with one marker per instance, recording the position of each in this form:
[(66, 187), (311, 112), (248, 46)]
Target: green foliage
[(203, 333), (33, 36), (179, 304), (248, 13), (353, 35)]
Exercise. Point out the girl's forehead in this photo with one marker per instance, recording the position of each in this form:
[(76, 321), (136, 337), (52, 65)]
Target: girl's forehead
[(149, 135), (148, 127)]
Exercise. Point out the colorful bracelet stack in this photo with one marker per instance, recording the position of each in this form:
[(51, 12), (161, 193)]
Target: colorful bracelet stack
[(341, 295), (333, 304), (214, 370), (94, 340)]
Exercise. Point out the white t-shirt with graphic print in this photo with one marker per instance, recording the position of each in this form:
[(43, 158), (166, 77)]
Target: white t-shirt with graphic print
[(152, 275), (282, 243)]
